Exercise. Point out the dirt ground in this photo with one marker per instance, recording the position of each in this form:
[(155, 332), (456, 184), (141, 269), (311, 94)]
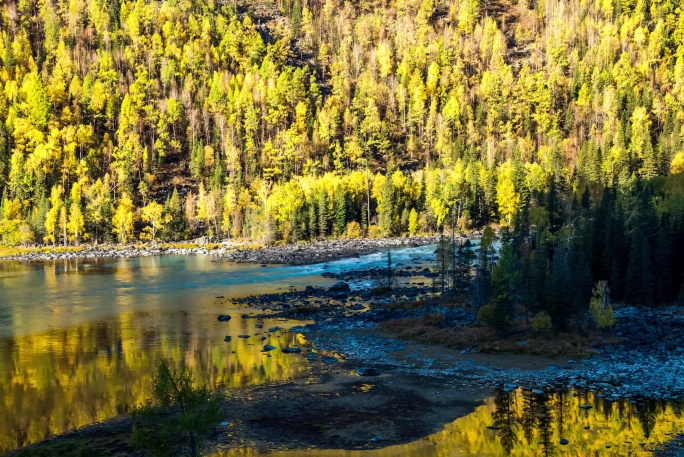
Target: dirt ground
[(337, 408)]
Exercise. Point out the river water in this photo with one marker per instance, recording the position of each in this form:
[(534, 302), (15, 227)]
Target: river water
[(80, 339), (531, 425)]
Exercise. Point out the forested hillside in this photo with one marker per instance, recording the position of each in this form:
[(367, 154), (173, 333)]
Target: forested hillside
[(301, 119)]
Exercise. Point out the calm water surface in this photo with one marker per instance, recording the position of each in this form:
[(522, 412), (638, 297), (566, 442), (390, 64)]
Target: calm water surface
[(532, 425), (79, 339)]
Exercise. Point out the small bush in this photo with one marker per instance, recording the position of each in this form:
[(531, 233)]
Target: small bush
[(542, 322), (354, 230), (374, 231), (179, 416), (485, 314), (599, 306)]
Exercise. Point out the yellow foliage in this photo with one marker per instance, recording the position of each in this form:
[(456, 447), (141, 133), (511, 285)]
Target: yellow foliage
[(541, 322), (677, 165)]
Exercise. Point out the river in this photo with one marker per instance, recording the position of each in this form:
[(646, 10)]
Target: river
[(80, 339)]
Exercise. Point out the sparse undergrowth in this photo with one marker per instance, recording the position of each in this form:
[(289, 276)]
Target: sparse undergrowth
[(432, 329)]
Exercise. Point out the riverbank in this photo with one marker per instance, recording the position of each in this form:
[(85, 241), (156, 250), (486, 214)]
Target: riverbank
[(337, 404), (367, 388), (288, 254)]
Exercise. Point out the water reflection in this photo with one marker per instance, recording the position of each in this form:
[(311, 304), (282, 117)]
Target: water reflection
[(40, 296), (59, 380), (533, 423), (80, 338)]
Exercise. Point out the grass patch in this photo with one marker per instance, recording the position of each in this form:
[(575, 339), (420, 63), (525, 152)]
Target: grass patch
[(433, 329), (6, 251), (425, 303)]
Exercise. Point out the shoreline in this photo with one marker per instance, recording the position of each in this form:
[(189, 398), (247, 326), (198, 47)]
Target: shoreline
[(288, 254), (333, 406)]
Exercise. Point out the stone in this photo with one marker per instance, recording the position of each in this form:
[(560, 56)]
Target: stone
[(227, 339), (368, 371), (223, 318), (291, 350), (267, 348), (564, 442), (340, 286), (243, 336)]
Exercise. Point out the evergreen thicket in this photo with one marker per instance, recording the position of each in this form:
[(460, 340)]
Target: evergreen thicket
[(623, 246)]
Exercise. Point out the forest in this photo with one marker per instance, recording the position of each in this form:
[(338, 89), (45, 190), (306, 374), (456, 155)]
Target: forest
[(561, 121)]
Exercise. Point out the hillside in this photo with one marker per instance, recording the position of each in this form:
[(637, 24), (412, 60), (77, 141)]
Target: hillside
[(306, 119)]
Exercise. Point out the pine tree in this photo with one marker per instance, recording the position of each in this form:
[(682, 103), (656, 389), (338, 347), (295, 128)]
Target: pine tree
[(312, 220), (173, 211), (387, 209), (323, 214), (340, 222)]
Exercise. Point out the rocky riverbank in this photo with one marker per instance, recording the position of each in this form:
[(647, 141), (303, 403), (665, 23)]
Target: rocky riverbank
[(289, 254), (644, 360), (364, 387)]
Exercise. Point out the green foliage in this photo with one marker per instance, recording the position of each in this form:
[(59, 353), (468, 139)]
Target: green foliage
[(599, 306), (340, 210), (173, 209), (177, 418), (497, 315), (541, 322)]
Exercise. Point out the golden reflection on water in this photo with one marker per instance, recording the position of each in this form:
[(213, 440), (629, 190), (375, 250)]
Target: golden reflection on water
[(80, 338), (56, 381), (532, 425)]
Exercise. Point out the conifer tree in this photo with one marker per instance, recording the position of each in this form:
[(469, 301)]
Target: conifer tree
[(340, 207)]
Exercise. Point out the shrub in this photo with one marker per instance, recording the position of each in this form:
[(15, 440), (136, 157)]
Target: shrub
[(374, 231), (542, 322), (496, 315), (485, 314), (600, 307), (354, 230), (178, 417)]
